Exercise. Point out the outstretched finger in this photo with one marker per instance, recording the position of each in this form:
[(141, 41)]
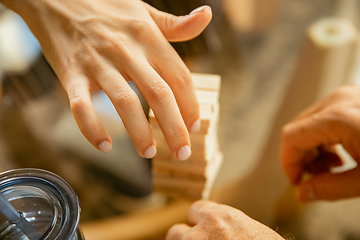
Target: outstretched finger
[(85, 116), (129, 108), (162, 101), (173, 70)]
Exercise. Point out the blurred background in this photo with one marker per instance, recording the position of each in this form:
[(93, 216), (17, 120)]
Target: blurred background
[(272, 66)]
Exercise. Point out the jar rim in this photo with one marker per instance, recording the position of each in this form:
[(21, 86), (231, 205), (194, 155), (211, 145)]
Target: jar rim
[(48, 181)]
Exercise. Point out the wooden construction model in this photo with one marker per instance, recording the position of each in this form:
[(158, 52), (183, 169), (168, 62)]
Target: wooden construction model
[(191, 179)]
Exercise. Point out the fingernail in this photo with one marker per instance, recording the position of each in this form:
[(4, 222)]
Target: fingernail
[(306, 194), (184, 153), (195, 126), (197, 10), (105, 146), (150, 152)]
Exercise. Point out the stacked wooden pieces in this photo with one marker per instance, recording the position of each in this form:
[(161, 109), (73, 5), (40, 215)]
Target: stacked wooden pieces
[(191, 179)]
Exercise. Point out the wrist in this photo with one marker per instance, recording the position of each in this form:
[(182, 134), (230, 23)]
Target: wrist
[(24, 8)]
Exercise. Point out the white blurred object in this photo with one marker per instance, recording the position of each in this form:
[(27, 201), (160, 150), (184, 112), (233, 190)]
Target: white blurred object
[(18, 46), (348, 162)]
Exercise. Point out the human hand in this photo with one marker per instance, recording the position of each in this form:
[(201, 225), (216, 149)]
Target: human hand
[(216, 221), (308, 146), (93, 45)]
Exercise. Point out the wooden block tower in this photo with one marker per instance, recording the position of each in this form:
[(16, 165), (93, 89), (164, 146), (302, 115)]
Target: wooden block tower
[(191, 179)]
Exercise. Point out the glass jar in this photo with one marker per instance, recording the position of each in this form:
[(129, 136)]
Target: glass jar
[(45, 200)]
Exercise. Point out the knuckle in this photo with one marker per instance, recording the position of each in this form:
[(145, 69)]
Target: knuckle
[(140, 28), (89, 58), (160, 92), (120, 46), (176, 133), (77, 103), (184, 80), (143, 138), (336, 115), (125, 99), (170, 21), (337, 112), (214, 217)]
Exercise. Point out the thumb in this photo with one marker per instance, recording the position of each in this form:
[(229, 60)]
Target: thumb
[(330, 186), (182, 28)]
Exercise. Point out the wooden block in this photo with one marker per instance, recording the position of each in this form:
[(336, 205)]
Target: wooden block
[(161, 172), (198, 145), (209, 119), (208, 114), (178, 167), (195, 138), (212, 172), (197, 157), (195, 184), (180, 183), (197, 177), (162, 155), (251, 16), (207, 98), (180, 175), (204, 142), (206, 81)]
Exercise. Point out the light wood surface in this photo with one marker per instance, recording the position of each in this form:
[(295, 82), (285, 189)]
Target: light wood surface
[(141, 225)]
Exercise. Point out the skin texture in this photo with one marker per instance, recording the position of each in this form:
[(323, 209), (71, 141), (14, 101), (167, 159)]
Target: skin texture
[(210, 220), (102, 44), (308, 147)]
